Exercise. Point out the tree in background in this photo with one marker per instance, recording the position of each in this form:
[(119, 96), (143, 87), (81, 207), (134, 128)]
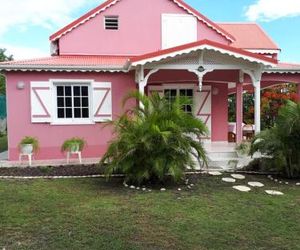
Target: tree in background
[(3, 58), (272, 100)]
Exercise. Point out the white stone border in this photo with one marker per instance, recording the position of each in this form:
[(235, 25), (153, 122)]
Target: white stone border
[(270, 177)]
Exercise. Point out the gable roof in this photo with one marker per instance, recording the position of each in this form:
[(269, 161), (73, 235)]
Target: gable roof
[(70, 63), (202, 45), (94, 12), (249, 36)]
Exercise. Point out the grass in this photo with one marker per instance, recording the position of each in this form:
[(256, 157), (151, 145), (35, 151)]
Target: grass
[(3, 143), (94, 214)]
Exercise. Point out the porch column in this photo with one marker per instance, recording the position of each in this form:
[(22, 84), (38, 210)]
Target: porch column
[(239, 112), (257, 88)]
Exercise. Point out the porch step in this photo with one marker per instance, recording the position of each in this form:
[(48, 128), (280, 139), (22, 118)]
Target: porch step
[(222, 155)]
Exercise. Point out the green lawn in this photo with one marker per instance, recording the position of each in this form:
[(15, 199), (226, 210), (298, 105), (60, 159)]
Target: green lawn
[(93, 214), (3, 143)]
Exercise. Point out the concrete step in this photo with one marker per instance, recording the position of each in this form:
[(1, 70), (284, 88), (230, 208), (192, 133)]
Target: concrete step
[(222, 155)]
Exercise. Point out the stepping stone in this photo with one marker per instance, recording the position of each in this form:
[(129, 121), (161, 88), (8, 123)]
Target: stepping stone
[(230, 180), (273, 192), (242, 188), (215, 173), (179, 189), (162, 189), (298, 184), (238, 176), (255, 184)]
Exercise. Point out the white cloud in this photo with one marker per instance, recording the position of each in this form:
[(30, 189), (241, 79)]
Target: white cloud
[(19, 14), (21, 52), (269, 10)]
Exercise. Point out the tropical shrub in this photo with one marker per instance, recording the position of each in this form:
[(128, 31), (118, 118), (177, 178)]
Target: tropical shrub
[(281, 143), (155, 140)]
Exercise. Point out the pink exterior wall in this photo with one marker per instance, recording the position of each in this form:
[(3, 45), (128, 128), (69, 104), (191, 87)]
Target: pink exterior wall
[(139, 32), (51, 137)]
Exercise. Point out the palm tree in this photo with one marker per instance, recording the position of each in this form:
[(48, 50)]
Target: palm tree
[(154, 140), (282, 142)]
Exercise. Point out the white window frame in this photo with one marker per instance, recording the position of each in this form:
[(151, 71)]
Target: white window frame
[(72, 121)]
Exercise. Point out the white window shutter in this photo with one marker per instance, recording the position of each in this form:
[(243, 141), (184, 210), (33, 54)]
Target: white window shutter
[(203, 106), (41, 102), (102, 101)]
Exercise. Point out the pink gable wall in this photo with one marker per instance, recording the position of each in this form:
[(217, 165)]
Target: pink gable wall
[(139, 33), (51, 137)]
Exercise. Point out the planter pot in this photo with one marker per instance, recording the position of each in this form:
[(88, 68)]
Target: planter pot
[(27, 149), (74, 148)]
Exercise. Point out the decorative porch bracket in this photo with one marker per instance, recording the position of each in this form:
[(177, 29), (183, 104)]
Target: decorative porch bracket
[(256, 76), (142, 80), (201, 72)]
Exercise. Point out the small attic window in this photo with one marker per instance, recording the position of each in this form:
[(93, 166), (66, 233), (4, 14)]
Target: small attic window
[(111, 22)]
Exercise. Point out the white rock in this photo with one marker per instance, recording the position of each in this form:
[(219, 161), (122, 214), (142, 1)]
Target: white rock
[(215, 173), (231, 180), (162, 189), (132, 187), (179, 189), (275, 180), (238, 176), (138, 188), (125, 185), (280, 182), (298, 184), (273, 192), (242, 188), (255, 184), (150, 190), (144, 189), (189, 187), (192, 185), (286, 183)]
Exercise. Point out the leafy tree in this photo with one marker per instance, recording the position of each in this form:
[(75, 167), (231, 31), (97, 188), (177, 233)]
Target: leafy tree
[(155, 140), (3, 58), (281, 143)]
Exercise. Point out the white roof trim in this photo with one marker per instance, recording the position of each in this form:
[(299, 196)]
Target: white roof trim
[(85, 20), (202, 47), (264, 51), (114, 2), (282, 70)]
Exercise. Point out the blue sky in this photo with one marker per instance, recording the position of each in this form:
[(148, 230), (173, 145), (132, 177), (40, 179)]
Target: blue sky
[(27, 24)]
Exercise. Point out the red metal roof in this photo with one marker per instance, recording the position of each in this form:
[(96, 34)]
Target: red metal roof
[(108, 3), (200, 43), (118, 61), (249, 36)]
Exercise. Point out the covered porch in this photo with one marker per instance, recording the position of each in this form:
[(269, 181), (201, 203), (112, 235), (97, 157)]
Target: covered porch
[(204, 71)]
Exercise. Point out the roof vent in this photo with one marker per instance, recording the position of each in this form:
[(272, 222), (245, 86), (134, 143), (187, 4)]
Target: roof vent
[(111, 22)]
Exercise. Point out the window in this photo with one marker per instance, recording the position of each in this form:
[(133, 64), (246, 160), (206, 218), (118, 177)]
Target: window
[(111, 22), (72, 101), (171, 94)]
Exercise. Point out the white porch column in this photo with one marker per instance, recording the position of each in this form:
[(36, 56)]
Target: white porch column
[(257, 109), (239, 112)]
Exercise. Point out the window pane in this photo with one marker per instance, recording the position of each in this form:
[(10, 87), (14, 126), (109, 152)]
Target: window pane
[(190, 92), (188, 108), (60, 91), (68, 91), (76, 91), (68, 113), (84, 91), (182, 92), (60, 102), (68, 102), (77, 102), (61, 113), (77, 113), (85, 113), (85, 102)]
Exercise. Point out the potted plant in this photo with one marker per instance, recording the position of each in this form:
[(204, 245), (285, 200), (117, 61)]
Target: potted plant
[(29, 145), (73, 145)]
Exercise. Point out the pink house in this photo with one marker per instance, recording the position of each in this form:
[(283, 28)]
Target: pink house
[(166, 46)]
